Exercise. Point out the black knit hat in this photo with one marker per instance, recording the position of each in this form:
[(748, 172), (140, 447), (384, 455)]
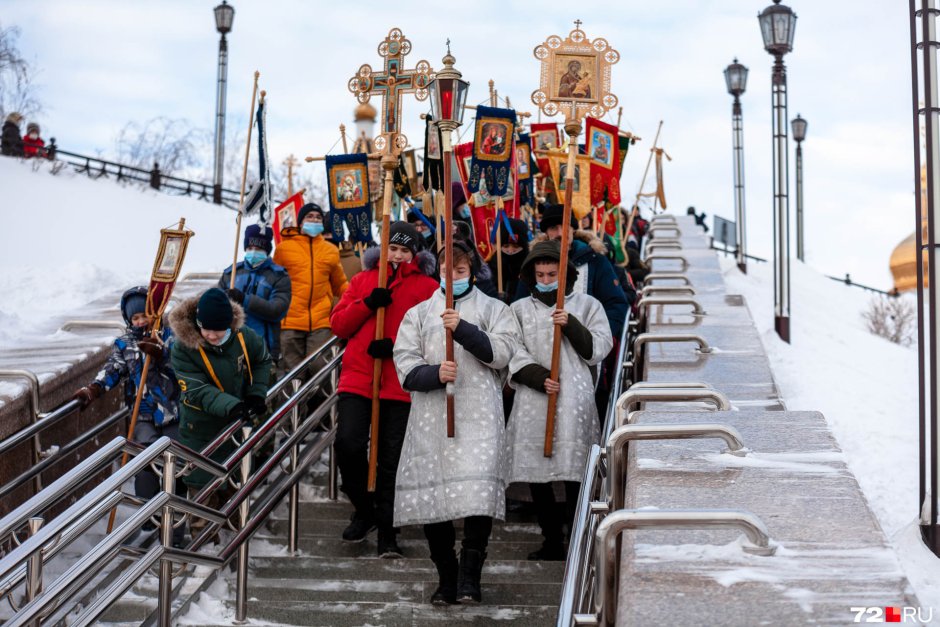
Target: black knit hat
[(214, 311), (553, 216), (519, 235), (310, 206), (546, 250), (405, 234), (259, 236)]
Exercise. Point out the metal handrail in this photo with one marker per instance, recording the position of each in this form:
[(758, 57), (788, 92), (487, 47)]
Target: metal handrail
[(670, 289), (670, 245), (657, 338), (35, 412), (627, 400), (663, 227), (618, 441), (606, 559), (668, 257), (93, 324), (671, 300), (664, 217), (666, 276)]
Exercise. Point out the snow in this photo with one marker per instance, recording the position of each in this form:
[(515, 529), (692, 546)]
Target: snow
[(95, 237), (864, 385)]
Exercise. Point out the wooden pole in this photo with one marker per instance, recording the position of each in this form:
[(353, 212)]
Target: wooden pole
[(290, 162), (449, 264), (573, 129), (389, 163), (639, 191), (241, 199), (438, 215), (619, 117), (499, 248), (342, 132)]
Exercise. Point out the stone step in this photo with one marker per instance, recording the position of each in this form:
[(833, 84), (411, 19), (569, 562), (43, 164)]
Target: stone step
[(396, 614), (502, 532), (418, 592), (311, 546), (415, 570)]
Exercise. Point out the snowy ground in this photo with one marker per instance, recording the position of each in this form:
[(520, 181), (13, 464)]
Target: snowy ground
[(864, 385)]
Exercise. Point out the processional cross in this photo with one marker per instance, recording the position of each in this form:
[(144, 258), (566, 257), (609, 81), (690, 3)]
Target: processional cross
[(391, 84)]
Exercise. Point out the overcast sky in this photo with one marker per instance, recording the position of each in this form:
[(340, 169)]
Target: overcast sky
[(106, 62)]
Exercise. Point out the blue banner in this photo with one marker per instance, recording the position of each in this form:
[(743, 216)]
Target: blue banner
[(348, 180)]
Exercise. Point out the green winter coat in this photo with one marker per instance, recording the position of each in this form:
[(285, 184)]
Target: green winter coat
[(240, 371)]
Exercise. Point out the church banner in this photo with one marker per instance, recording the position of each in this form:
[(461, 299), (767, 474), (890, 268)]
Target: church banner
[(491, 165), (348, 180), (544, 137), (603, 147)]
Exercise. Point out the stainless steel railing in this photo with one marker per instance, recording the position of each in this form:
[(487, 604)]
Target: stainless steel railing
[(21, 568)]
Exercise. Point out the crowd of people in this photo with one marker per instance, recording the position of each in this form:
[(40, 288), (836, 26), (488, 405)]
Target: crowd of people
[(15, 144), (215, 361)]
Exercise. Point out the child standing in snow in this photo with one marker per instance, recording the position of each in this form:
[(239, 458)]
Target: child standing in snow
[(586, 339), (442, 479)]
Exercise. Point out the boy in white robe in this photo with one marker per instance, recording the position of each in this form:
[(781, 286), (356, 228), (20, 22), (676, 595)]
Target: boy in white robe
[(442, 479), (586, 340)]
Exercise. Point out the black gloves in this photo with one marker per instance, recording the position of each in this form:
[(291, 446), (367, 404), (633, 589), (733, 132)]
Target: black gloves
[(257, 405), (238, 412), (86, 395), (236, 295), (380, 349), (380, 297), (152, 347)]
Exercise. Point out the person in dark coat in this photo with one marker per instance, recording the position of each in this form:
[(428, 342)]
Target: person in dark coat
[(262, 288), (410, 282), (596, 274), (11, 138), (515, 247)]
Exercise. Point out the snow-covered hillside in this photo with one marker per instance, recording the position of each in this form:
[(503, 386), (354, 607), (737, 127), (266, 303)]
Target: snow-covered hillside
[(67, 240), (864, 385)]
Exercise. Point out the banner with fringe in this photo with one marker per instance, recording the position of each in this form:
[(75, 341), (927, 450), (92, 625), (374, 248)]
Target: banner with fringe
[(603, 148), (348, 179), (490, 167), (433, 156)]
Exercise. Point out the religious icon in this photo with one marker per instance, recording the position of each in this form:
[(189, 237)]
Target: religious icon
[(349, 185), (491, 140), (575, 77), (522, 160), (563, 176), (170, 257), (434, 142), (601, 144)]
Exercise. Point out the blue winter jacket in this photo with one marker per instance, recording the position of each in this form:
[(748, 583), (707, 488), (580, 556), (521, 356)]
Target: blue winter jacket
[(267, 297), (160, 403)]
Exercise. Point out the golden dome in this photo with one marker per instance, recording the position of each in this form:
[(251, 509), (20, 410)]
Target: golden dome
[(365, 111), (904, 264)]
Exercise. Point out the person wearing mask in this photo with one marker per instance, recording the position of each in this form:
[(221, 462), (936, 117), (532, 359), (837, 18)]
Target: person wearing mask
[(513, 250), (317, 280), (262, 287), (33, 144), (410, 282)]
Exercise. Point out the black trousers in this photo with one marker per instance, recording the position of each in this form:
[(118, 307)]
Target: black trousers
[(352, 454), (551, 515), (442, 536)]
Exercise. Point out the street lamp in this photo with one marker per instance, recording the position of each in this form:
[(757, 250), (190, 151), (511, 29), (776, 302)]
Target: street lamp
[(777, 25), (799, 134), (224, 15), (736, 80), (448, 93)]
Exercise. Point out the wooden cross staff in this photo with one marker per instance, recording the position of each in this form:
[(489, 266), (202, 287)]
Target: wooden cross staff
[(391, 84), (291, 162), (639, 193), (241, 198)]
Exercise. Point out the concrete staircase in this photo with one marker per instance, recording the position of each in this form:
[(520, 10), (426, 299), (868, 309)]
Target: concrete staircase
[(337, 584)]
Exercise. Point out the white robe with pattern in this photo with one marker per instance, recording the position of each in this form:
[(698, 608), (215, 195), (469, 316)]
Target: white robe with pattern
[(576, 423), (441, 478)]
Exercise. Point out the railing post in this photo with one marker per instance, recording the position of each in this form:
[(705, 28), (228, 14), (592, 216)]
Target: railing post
[(34, 567), (241, 584), (155, 176), (166, 539), (294, 503), (334, 476)]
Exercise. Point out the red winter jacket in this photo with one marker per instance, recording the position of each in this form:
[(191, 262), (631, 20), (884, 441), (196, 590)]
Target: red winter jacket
[(33, 147), (354, 321)]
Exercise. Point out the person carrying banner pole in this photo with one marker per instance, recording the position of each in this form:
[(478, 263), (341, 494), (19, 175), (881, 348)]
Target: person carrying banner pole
[(241, 200)]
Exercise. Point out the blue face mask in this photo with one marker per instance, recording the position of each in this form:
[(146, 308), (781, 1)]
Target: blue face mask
[(465, 212), (547, 287), (460, 286), (228, 334), (255, 257), (312, 228)]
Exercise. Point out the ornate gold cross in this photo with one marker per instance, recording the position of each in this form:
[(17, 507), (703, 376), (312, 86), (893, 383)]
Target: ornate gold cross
[(393, 82)]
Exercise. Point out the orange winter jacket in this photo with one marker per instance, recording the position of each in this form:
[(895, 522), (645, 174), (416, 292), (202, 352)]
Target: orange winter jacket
[(316, 279)]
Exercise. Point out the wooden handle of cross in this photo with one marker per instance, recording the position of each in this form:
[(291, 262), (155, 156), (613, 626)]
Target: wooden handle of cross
[(573, 128), (389, 163), (241, 198)]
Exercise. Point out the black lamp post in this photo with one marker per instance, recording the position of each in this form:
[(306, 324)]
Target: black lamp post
[(224, 15), (736, 80), (777, 25), (799, 134)]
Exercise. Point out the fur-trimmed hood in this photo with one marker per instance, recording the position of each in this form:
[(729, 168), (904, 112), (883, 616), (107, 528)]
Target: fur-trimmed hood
[(183, 322), (588, 237), (425, 260)]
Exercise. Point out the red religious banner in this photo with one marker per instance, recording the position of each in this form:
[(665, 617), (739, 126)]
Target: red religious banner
[(544, 137), (603, 147), (482, 210), (166, 268), (285, 214)]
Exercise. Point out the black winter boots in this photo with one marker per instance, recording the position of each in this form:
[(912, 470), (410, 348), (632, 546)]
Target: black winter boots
[(446, 593), (471, 567)]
